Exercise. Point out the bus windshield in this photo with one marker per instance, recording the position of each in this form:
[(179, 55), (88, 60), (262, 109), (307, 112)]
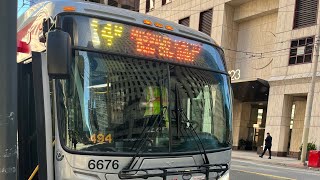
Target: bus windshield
[(114, 103)]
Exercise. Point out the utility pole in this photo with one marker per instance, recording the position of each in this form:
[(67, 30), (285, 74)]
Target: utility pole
[(307, 118), (8, 89)]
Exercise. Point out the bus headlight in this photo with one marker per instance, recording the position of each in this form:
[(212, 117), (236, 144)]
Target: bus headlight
[(225, 176)]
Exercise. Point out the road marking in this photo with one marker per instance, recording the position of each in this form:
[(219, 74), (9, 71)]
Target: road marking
[(254, 167), (261, 174)]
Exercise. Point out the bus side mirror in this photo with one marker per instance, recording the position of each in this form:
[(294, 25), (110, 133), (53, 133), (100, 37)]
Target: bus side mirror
[(58, 54)]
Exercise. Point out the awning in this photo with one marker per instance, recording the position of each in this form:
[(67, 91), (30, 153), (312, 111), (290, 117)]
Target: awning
[(251, 91)]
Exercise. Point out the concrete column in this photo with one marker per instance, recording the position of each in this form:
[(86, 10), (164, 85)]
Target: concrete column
[(217, 23), (314, 132), (241, 118), (158, 4), (253, 116), (142, 7), (236, 123), (297, 129), (226, 33), (245, 119), (278, 122), (194, 21), (253, 120)]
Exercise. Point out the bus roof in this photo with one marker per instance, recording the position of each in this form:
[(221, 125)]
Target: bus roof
[(55, 7)]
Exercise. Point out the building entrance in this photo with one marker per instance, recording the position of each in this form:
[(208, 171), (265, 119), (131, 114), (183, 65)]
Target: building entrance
[(250, 112), (255, 127)]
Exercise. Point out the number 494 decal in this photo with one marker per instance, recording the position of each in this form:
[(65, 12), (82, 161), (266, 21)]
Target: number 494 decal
[(103, 164), (101, 138)]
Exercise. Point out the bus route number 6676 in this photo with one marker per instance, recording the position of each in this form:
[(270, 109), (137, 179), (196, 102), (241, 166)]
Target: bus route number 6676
[(103, 164)]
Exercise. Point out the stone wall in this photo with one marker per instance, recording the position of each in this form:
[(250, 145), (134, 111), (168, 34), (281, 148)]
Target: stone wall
[(241, 118), (297, 128)]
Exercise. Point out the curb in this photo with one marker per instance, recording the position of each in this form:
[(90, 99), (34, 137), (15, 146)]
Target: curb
[(281, 164)]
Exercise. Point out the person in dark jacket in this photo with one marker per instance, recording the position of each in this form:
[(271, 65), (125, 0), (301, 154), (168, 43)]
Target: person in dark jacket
[(268, 144)]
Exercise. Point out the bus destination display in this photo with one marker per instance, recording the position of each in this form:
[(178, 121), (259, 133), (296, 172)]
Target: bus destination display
[(149, 43), (143, 42)]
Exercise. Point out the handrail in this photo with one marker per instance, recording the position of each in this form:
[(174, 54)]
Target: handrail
[(34, 173), (37, 167)]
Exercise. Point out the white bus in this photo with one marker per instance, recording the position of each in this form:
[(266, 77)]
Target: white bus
[(121, 95)]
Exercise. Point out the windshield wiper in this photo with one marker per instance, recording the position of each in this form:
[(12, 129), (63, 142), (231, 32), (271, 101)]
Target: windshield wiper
[(143, 140), (179, 115), (188, 124), (144, 130)]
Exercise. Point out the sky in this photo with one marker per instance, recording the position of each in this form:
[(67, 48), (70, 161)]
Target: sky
[(22, 6)]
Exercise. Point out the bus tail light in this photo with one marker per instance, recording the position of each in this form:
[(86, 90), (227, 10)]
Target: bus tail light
[(147, 22), (158, 25), (23, 47), (69, 8), (170, 28)]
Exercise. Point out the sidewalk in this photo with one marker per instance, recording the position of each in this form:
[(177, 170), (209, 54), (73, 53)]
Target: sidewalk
[(282, 161)]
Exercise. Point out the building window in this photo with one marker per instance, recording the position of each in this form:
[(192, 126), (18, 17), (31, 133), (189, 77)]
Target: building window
[(149, 5), (164, 2), (96, 1), (185, 21), (305, 13), (301, 50), (205, 22), (132, 5), (113, 3)]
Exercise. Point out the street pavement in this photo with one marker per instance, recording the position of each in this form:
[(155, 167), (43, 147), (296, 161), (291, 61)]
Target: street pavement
[(251, 170)]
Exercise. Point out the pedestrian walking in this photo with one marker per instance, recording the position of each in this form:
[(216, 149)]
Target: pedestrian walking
[(268, 144)]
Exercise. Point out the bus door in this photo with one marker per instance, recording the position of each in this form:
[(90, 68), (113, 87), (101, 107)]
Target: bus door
[(27, 135), (34, 119)]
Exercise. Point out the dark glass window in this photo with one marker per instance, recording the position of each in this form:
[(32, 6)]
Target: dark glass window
[(307, 58), (205, 22), (130, 5), (305, 13), (113, 3), (96, 1), (164, 2), (185, 21), (149, 5), (301, 50)]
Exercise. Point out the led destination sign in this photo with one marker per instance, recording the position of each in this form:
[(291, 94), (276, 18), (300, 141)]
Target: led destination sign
[(141, 42), (107, 32), (113, 36), (149, 43)]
